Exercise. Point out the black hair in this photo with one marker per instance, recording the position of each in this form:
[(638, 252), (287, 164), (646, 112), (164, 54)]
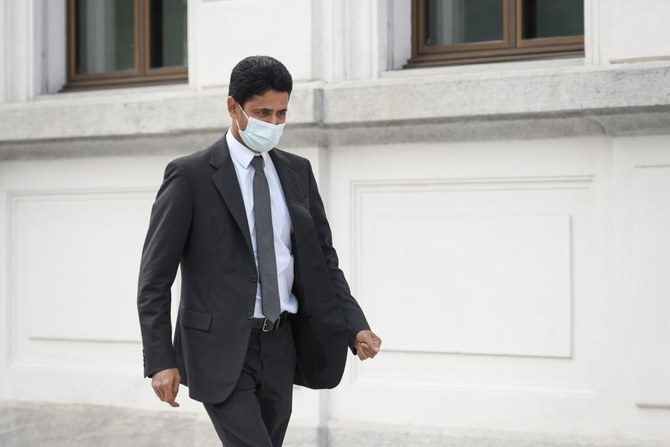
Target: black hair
[(255, 75)]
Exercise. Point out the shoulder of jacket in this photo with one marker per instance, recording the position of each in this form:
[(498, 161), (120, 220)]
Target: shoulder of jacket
[(295, 160), (192, 163), (193, 159)]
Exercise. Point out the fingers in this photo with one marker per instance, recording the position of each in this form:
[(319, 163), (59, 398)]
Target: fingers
[(175, 390), (361, 352), (365, 351), (170, 393), (376, 343), (367, 344), (166, 385)]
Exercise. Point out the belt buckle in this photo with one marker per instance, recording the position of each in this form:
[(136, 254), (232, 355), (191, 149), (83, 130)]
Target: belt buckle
[(265, 327)]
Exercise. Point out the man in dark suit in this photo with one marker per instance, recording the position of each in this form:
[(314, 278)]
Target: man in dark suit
[(263, 303)]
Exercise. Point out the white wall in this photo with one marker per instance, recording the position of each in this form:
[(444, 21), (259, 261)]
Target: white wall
[(17, 60), (641, 261), (518, 285), (75, 230), (637, 30), (3, 44), (228, 31), (477, 264)]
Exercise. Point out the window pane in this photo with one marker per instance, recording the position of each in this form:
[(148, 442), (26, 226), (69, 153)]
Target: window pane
[(105, 38), (168, 33), (450, 22), (552, 18)]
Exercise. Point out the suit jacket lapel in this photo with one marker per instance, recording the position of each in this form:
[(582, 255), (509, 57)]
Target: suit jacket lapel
[(225, 180), (293, 192)]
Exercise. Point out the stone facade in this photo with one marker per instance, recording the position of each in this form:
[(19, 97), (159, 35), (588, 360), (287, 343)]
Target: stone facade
[(503, 226)]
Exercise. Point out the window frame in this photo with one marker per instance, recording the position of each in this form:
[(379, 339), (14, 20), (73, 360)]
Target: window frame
[(142, 74), (512, 46)]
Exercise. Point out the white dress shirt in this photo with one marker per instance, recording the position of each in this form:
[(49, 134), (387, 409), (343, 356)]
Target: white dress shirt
[(281, 221)]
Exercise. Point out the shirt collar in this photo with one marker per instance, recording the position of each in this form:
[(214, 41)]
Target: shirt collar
[(241, 155)]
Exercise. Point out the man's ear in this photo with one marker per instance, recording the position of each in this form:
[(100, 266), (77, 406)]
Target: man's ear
[(233, 107)]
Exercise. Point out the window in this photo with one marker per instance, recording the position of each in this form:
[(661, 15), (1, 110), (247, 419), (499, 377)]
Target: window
[(468, 31), (126, 42)]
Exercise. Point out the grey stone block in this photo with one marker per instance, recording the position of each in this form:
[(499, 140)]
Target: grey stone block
[(36, 424), (58, 425), (348, 435)]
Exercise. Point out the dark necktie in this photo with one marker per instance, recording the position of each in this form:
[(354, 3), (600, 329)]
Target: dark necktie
[(265, 246)]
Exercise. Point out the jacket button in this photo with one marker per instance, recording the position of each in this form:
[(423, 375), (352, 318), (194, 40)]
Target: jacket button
[(252, 278), (250, 315)]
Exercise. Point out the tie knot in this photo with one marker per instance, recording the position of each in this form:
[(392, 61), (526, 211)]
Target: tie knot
[(258, 163)]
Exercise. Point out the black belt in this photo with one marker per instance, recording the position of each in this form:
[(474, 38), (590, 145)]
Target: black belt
[(265, 325)]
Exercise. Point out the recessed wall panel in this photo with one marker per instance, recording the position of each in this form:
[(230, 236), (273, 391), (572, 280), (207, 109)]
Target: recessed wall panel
[(75, 259), (448, 269), (651, 267)]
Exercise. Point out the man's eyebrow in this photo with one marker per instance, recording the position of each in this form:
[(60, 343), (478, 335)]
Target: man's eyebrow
[(267, 109)]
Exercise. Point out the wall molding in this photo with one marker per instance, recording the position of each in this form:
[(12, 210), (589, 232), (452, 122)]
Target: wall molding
[(550, 102), (557, 222), (17, 197)]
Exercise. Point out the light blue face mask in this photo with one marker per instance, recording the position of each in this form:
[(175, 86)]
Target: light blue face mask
[(259, 135)]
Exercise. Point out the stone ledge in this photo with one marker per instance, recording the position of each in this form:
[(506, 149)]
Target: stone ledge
[(613, 123), (567, 101), (556, 91), (87, 115)]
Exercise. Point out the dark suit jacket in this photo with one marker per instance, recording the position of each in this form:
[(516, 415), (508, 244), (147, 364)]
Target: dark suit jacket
[(198, 221)]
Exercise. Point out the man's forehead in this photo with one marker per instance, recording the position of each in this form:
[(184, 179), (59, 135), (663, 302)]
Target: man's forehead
[(271, 99)]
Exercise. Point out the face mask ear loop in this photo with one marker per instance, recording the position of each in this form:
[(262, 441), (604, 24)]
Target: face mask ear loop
[(245, 114), (247, 117)]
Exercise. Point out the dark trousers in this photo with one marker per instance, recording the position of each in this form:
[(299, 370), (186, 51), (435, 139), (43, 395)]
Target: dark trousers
[(257, 412)]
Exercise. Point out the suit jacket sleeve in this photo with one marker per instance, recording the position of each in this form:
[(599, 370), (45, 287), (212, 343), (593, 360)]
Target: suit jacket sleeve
[(163, 249), (353, 313)]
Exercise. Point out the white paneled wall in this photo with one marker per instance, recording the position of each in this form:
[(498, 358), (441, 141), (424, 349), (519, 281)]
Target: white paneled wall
[(491, 283), (74, 236), (642, 260), (437, 239), (518, 285)]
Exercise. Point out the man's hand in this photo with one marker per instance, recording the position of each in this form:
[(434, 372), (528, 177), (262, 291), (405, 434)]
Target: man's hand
[(367, 344), (166, 385)]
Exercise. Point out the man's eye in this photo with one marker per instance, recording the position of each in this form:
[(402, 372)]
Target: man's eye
[(282, 113)]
